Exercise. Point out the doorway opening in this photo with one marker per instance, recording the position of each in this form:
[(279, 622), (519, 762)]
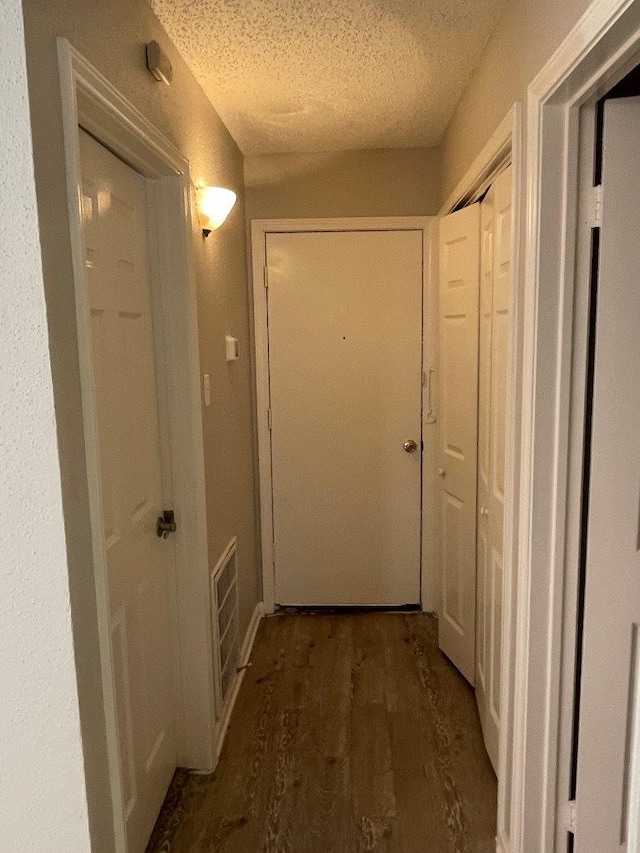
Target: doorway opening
[(605, 632), (560, 318), (375, 409), (100, 121), (281, 271)]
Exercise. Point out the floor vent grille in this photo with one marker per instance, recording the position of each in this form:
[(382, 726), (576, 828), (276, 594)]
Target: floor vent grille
[(224, 607)]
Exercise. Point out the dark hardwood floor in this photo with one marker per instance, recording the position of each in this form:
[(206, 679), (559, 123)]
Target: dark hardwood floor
[(351, 733)]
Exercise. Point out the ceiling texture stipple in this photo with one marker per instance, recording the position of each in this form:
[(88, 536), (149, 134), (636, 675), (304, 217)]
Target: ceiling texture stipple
[(331, 75)]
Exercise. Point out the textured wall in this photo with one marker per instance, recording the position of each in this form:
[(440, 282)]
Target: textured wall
[(375, 182), (526, 36), (43, 778), (111, 34)]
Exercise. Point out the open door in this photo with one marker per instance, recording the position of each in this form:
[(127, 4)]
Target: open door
[(458, 433), (608, 758)]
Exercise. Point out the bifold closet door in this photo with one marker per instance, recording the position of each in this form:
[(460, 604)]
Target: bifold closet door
[(458, 434), (495, 293)]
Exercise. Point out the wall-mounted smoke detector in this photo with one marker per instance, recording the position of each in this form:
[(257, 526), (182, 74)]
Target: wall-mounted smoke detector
[(158, 63)]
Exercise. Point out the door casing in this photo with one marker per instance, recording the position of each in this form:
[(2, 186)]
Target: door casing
[(602, 47), (259, 229), (89, 101)]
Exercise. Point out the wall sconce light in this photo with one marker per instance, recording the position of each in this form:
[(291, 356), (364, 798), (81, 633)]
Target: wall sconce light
[(214, 205)]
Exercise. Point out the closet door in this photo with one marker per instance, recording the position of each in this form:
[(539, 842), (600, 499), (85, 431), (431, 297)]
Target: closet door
[(457, 444), (484, 593), (495, 292)]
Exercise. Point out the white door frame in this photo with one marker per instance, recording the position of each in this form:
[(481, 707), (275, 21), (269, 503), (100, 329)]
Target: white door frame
[(259, 230), (602, 47), (90, 102), (504, 146)]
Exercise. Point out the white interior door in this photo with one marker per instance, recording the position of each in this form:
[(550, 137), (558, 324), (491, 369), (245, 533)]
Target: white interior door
[(345, 370), (608, 772), (495, 294), (458, 433), (139, 564), (483, 581)]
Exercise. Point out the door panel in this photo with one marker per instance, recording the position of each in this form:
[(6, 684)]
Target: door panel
[(458, 321), (139, 564), (119, 662), (454, 550), (608, 772), (485, 553), (494, 354), (493, 724), (345, 362)]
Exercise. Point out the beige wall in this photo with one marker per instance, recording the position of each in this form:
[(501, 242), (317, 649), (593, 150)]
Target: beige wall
[(376, 182), (526, 36), (111, 34)]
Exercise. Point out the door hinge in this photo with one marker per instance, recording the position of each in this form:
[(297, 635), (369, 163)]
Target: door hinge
[(266, 276), (571, 817), (166, 524), (596, 207), (269, 419)]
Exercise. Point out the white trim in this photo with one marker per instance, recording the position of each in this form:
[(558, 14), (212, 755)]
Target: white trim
[(259, 229), (494, 157), (502, 844), (512, 465), (430, 582), (596, 53), (243, 661), (89, 100)]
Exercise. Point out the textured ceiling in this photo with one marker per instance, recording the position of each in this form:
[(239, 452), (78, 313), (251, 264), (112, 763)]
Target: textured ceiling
[(330, 75)]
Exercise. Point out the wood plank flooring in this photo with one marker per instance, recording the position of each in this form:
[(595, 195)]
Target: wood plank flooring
[(350, 733)]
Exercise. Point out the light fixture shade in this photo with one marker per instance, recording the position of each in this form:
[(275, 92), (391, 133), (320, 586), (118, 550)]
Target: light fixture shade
[(214, 205)]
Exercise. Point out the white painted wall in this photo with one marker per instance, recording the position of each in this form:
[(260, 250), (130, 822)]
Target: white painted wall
[(42, 797)]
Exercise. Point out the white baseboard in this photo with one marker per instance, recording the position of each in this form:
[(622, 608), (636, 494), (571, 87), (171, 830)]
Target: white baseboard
[(502, 844), (243, 659)]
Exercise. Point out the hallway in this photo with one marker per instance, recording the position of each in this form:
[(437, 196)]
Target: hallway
[(350, 733)]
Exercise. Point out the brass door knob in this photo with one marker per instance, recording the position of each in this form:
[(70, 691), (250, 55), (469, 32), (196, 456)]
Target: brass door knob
[(410, 446)]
